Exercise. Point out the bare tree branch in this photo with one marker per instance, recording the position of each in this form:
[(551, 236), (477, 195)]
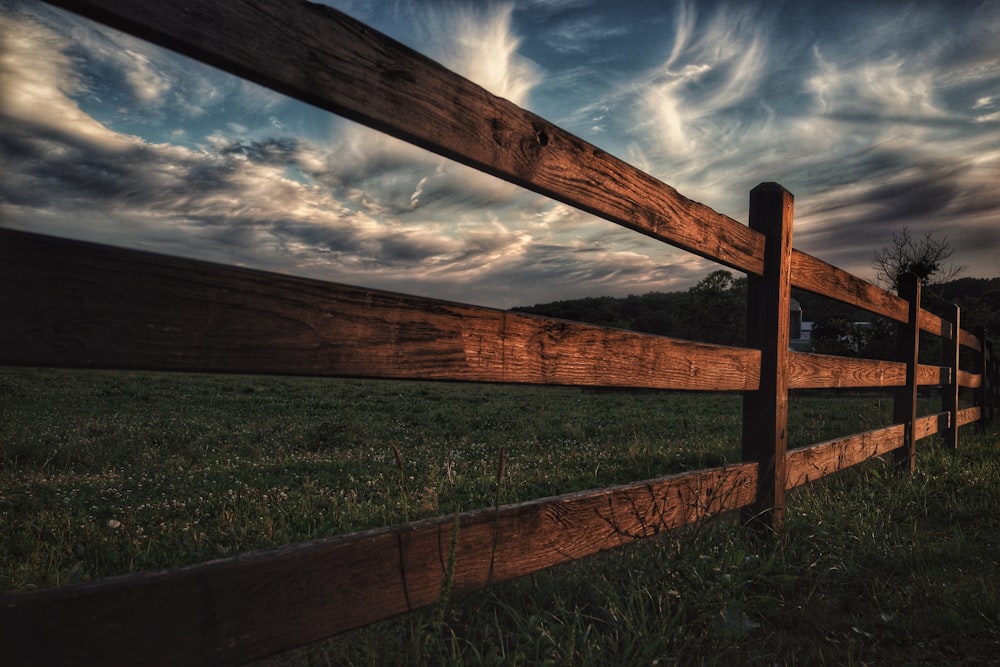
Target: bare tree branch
[(925, 257)]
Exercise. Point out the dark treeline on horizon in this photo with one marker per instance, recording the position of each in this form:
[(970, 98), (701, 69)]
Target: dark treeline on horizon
[(714, 311)]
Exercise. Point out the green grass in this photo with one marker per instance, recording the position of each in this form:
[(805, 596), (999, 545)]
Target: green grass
[(105, 473), (872, 568)]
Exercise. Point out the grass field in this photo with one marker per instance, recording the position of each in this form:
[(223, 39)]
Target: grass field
[(105, 473)]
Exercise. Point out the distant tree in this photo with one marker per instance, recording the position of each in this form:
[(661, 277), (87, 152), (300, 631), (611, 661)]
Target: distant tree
[(881, 340), (925, 257), (848, 338), (654, 321), (716, 310), (836, 335)]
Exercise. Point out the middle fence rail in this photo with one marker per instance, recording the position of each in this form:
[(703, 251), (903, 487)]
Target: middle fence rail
[(81, 305)]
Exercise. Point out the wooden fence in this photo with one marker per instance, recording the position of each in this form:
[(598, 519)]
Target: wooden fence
[(74, 304)]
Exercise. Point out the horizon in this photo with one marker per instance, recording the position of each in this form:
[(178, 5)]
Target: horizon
[(107, 138), (736, 274)]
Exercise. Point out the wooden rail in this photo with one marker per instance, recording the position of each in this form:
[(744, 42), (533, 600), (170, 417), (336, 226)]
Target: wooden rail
[(235, 610), (324, 57), (85, 305), (81, 305)]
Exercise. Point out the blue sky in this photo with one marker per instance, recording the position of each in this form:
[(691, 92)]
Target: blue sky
[(876, 115)]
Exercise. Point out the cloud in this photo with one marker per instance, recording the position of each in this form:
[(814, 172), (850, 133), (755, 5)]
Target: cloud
[(687, 96), (390, 177), (364, 208), (871, 131), (479, 43), (42, 93), (148, 84), (108, 138), (582, 35), (895, 87)]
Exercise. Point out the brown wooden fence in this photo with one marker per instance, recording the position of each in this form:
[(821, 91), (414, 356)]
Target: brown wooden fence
[(73, 304)]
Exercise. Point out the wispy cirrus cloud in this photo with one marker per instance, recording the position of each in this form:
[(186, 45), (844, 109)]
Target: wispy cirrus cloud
[(479, 43), (687, 97), (871, 132), (582, 35)]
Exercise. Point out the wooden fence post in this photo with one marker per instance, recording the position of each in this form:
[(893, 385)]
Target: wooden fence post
[(994, 388), (993, 362), (950, 352), (991, 378), (904, 404), (765, 411), (982, 368)]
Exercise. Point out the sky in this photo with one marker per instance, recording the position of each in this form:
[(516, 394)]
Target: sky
[(875, 115)]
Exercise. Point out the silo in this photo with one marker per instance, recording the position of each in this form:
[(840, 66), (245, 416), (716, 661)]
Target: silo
[(795, 321)]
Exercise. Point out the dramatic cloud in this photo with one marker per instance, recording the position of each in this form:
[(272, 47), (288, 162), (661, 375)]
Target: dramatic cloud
[(869, 131), (875, 117)]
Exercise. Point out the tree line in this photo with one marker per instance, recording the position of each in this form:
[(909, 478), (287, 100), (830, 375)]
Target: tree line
[(714, 311)]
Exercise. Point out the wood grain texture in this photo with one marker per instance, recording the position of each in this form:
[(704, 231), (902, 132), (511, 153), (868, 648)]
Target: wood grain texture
[(323, 57), (968, 416), (970, 380), (808, 464), (821, 371), (969, 340), (765, 411), (240, 609), (928, 375), (929, 425), (819, 277), (933, 324), (84, 305)]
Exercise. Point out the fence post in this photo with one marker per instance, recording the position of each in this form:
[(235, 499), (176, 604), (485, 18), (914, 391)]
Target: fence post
[(994, 379), (991, 377), (950, 351), (904, 402), (765, 411), (982, 368)]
